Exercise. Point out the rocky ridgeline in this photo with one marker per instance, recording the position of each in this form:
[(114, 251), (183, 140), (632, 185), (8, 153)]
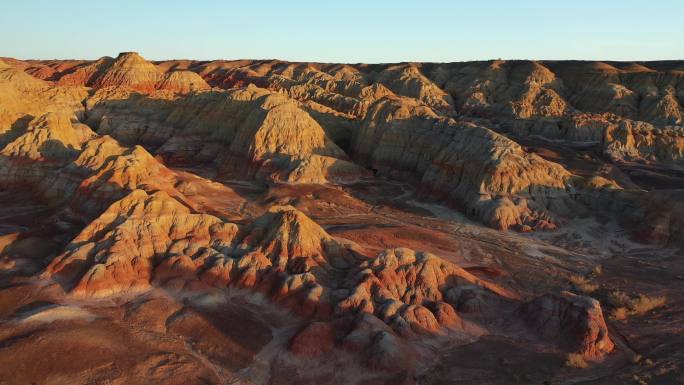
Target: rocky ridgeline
[(315, 123), (147, 240), (130, 70), (400, 120)]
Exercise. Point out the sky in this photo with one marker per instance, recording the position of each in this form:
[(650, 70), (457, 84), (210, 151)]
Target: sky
[(351, 31)]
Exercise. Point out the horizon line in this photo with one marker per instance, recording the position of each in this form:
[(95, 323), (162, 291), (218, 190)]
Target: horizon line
[(353, 62)]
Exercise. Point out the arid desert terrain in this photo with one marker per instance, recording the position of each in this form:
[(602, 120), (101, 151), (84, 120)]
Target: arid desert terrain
[(268, 222)]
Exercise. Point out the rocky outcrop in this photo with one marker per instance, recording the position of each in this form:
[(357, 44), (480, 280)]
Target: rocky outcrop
[(321, 169), (131, 70), (527, 89), (575, 322), (413, 292), (520, 89), (343, 88), (407, 80), (23, 97), (156, 233), (579, 128), (618, 138), (183, 82), (629, 90), (65, 161), (131, 169), (86, 74), (634, 140), (118, 251), (145, 239), (51, 137), (10, 76), (487, 175), (51, 142), (250, 132)]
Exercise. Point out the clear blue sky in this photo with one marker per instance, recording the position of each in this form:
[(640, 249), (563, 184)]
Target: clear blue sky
[(345, 31)]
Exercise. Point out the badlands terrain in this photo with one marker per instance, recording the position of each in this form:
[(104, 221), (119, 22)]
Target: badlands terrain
[(268, 222)]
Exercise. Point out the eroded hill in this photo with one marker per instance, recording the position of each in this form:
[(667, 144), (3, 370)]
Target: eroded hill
[(270, 222)]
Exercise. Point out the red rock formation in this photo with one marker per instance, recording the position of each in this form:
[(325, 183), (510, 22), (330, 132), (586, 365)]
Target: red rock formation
[(409, 290), (143, 239), (131, 70), (575, 322), (116, 253)]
